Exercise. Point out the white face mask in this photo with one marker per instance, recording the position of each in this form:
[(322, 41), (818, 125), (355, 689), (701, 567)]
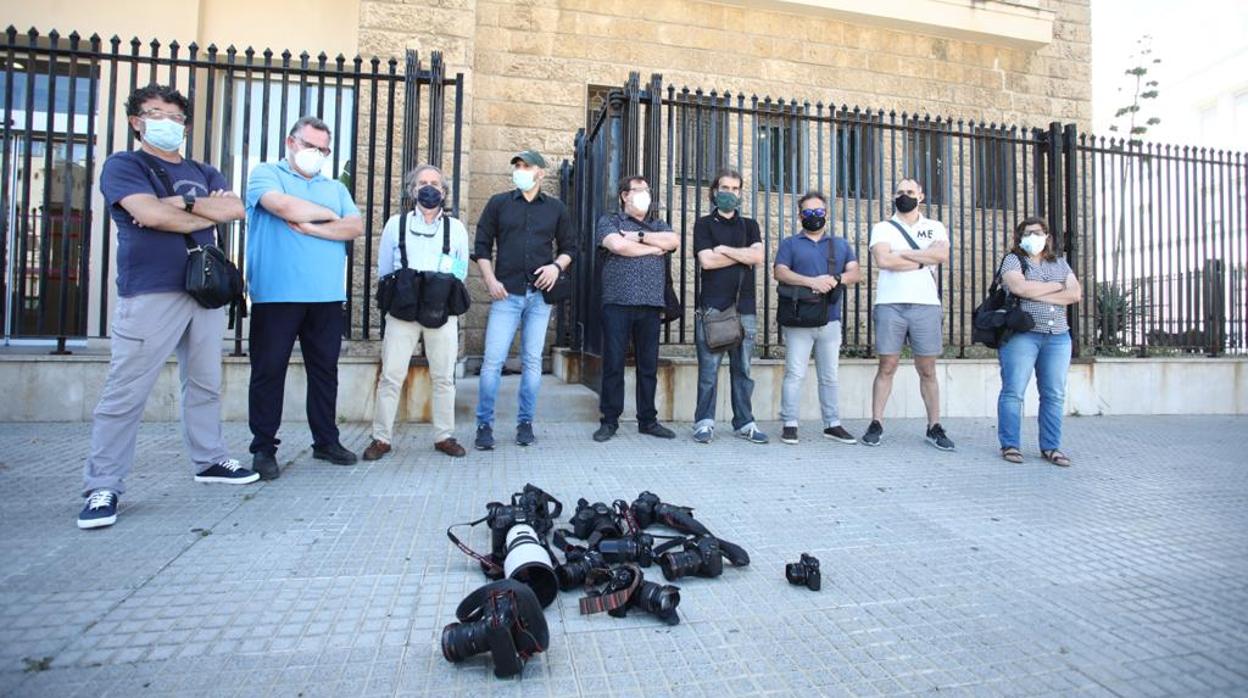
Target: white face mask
[(523, 179), (641, 202), (309, 161), (1033, 244)]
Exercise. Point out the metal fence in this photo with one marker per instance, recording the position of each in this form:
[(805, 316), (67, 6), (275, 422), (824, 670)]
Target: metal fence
[(62, 102), (980, 179)]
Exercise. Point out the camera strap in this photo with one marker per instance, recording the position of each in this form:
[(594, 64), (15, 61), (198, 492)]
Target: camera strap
[(486, 561), (597, 603)]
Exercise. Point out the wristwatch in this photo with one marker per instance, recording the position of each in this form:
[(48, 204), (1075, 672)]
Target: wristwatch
[(838, 279), (188, 201), (641, 236)]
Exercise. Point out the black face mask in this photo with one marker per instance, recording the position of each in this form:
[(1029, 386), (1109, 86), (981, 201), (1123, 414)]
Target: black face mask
[(814, 223), (905, 203)]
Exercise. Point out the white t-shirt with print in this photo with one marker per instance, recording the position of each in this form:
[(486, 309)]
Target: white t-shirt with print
[(916, 285)]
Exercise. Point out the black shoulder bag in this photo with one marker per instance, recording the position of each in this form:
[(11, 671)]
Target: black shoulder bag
[(800, 306), (441, 294), (398, 293), (211, 278), (1000, 314)]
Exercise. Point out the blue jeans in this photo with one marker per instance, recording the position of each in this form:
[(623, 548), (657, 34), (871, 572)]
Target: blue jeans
[(1049, 356), (530, 314), (738, 372)]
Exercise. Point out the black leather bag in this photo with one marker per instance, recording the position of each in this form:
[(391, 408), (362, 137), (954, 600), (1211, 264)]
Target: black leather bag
[(799, 306), (441, 294), (398, 293), (1000, 315), (561, 291), (673, 307)]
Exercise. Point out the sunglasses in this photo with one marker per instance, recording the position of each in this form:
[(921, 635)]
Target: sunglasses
[(808, 212)]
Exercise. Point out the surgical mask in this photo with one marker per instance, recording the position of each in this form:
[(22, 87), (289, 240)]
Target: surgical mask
[(641, 201), (1034, 244), (164, 134), (726, 201), (429, 196), (523, 179), (309, 161), (905, 203), (814, 223)]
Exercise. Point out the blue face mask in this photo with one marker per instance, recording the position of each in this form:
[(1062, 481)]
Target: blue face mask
[(523, 179), (164, 134)]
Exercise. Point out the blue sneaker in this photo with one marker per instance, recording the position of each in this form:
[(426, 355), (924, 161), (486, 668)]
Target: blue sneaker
[(703, 435), (228, 471), (752, 434), (100, 510), (485, 438)]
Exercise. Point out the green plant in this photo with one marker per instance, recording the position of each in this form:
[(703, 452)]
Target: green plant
[(1115, 308)]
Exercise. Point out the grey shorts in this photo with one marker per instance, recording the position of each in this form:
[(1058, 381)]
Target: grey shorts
[(895, 321)]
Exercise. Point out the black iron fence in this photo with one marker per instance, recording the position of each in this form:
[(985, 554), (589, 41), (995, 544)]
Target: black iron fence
[(1156, 237), (62, 104)]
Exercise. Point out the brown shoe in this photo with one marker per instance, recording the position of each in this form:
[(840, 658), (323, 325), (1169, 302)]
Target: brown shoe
[(450, 447), (376, 450)]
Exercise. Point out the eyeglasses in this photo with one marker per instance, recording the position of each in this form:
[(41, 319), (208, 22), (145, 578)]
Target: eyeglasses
[(324, 151), (158, 115), (635, 189), (808, 212), (1034, 231)]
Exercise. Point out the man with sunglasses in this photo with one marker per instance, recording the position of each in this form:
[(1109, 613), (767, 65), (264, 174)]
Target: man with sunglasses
[(300, 224), (824, 263), (907, 248)]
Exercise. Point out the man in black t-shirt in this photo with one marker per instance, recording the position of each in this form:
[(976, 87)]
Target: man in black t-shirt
[(729, 247)]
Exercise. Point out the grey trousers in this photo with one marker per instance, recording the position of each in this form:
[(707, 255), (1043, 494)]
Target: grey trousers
[(826, 342), (146, 329)]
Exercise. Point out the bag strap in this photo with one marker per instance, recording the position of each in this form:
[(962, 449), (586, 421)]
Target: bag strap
[(446, 234), (403, 239), (902, 229)]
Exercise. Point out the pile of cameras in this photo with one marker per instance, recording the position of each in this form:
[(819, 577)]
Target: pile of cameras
[(505, 617)]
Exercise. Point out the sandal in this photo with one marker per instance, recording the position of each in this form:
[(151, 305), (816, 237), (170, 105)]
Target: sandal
[(1056, 457), (1012, 454)]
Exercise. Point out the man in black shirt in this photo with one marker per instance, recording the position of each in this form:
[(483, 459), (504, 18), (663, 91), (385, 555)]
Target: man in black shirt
[(633, 268), (533, 234), (728, 246)]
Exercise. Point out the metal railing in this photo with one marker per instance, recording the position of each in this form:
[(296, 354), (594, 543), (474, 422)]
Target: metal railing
[(63, 114), (980, 179)]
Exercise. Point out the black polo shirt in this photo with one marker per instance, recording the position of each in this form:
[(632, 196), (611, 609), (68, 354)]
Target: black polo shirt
[(528, 234), (720, 286)]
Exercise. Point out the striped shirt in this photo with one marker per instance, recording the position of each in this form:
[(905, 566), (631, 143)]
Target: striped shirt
[(1050, 318)]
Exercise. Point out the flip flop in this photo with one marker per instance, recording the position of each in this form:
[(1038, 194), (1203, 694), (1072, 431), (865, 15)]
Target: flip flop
[(1012, 454), (1056, 457)]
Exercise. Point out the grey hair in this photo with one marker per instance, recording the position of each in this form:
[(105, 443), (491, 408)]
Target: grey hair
[(409, 182), (310, 121)]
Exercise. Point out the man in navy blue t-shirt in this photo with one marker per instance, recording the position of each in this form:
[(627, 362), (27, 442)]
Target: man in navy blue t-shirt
[(162, 204)]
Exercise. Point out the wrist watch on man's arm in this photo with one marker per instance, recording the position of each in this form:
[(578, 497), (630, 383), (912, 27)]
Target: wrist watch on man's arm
[(188, 201)]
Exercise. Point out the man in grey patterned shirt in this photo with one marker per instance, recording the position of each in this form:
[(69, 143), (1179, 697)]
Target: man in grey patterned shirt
[(635, 247)]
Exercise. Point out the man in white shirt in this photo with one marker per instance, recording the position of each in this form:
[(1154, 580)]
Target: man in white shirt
[(907, 249), (423, 244)]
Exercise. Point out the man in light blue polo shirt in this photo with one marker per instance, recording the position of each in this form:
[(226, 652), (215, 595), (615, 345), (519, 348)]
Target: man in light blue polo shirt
[(299, 226)]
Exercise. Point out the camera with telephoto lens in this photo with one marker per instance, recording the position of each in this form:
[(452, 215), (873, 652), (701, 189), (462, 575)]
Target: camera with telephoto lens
[(503, 618), (658, 599), (701, 556), (532, 506), (595, 519), (637, 548), (804, 572), (580, 562)]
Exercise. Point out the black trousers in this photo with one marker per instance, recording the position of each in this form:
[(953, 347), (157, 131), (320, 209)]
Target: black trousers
[(620, 323), (274, 329)]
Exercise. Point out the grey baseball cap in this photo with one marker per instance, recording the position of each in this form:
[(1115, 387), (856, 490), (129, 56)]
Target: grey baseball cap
[(530, 156)]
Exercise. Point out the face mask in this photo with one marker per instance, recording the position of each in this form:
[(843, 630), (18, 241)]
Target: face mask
[(164, 134), (641, 201), (1033, 244), (905, 203), (523, 179), (726, 201), (813, 223), (309, 161), (429, 196)]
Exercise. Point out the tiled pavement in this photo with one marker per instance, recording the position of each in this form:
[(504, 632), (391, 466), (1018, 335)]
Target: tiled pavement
[(951, 573)]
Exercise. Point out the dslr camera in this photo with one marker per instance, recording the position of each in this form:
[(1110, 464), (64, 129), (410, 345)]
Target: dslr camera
[(637, 548), (626, 587), (701, 557), (503, 618), (577, 567), (595, 520), (804, 572)]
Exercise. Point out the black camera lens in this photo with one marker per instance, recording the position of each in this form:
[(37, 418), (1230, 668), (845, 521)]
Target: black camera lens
[(659, 599), (463, 640), (701, 557), (638, 549), (677, 565), (573, 573)]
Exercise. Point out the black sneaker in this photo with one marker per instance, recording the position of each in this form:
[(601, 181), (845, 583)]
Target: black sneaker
[(228, 471), (100, 510), (936, 437), (874, 432), (838, 433), (524, 434), (485, 438), (657, 430), (605, 432), (334, 453), (788, 435), (265, 465)]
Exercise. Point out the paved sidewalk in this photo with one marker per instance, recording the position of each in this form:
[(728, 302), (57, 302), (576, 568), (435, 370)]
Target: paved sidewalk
[(959, 573)]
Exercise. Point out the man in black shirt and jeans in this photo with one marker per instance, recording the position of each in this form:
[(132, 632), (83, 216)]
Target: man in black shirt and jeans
[(533, 233), (633, 269), (728, 246)]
